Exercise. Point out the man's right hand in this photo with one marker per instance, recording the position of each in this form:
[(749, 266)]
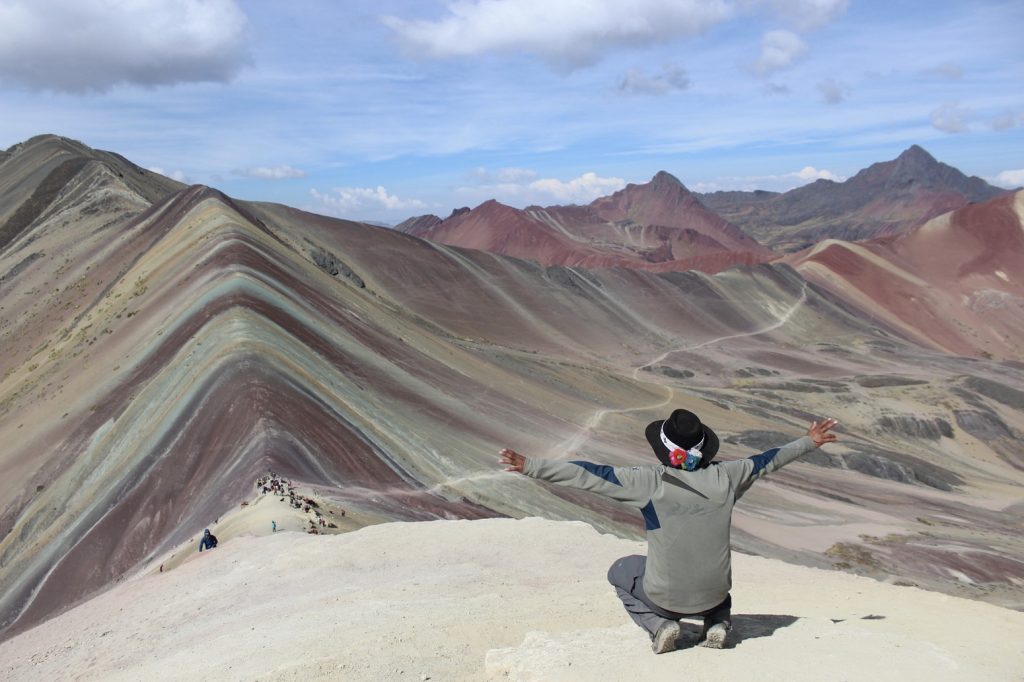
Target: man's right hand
[(512, 460), (820, 432)]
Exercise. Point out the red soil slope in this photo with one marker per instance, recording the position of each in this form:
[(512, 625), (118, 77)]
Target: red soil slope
[(956, 283)]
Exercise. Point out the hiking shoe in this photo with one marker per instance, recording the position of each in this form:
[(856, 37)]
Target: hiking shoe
[(665, 639), (717, 636)]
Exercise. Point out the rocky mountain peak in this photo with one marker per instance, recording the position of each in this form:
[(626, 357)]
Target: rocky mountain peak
[(916, 162), (666, 179)]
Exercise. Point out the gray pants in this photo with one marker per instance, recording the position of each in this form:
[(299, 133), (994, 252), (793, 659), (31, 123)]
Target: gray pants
[(627, 577)]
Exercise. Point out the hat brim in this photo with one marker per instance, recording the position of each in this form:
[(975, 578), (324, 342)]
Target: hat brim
[(708, 452)]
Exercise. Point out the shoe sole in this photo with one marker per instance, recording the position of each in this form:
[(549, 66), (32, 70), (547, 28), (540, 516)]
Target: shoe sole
[(717, 638), (665, 640)]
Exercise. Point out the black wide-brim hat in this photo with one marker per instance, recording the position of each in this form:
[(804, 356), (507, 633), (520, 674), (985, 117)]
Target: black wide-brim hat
[(685, 429)]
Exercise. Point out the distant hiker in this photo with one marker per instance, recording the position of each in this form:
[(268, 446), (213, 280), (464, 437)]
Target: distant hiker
[(209, 540), (273, 526), (686, 502)]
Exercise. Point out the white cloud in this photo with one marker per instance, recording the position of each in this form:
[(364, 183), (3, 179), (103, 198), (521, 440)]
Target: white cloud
[(810, 173), (775, 183), (581, 190), (833, 91), (281, 172), (809, 14), (178, 175), (950, 117), (567, 33), (1010, 179), (521, 187), (779, 49), (91, 45), (341, 200), (671, 78)]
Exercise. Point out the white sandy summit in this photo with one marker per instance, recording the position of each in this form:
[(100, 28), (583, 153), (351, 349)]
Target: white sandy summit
[(494, 599)]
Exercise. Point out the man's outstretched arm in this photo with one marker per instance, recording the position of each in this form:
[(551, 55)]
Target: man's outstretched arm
[(632, 485), (745, 471)]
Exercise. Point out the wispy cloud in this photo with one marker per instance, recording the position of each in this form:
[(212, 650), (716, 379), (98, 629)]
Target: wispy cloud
[(1006, 120), (79, 46), (810, 14), (567, 34), (671, 78), (775, 89), (282, 172), (779, 50), (502, 176), (833, 91), (950, 117), (947, 71)]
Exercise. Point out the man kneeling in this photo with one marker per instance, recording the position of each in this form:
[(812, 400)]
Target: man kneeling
[(686, 502)]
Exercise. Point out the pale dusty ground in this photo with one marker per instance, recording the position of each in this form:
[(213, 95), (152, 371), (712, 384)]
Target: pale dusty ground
[(494, 599)]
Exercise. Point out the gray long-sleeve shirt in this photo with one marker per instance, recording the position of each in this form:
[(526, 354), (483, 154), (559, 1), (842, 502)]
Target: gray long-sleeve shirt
[(688, 515)]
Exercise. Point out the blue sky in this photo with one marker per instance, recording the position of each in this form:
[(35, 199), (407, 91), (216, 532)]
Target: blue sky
[(386, 109)]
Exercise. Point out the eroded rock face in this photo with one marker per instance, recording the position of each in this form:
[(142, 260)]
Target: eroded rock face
[(334, 266), (894, 466), (671, 372), (20, 266), (915, 427), (1001, 393), (760, 440), (887, 381), (982, 425)]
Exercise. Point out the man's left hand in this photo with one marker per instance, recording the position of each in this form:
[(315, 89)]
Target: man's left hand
[(821, 432)]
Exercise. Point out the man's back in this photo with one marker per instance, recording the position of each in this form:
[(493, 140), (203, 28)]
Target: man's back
[(688, 564)]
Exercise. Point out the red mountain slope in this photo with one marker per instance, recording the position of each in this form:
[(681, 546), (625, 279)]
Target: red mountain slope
[(956, 282)]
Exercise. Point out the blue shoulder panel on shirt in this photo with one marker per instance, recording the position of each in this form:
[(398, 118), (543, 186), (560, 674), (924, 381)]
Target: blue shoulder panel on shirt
[(762, 460), (603, 470), (651, 521)]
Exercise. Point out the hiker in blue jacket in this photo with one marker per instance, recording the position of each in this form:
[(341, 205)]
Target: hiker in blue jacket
[(209, 540), (686, 502)]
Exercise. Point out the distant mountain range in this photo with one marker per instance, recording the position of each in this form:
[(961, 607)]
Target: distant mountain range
[(662, 226), (885, 198), (659, 226)]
